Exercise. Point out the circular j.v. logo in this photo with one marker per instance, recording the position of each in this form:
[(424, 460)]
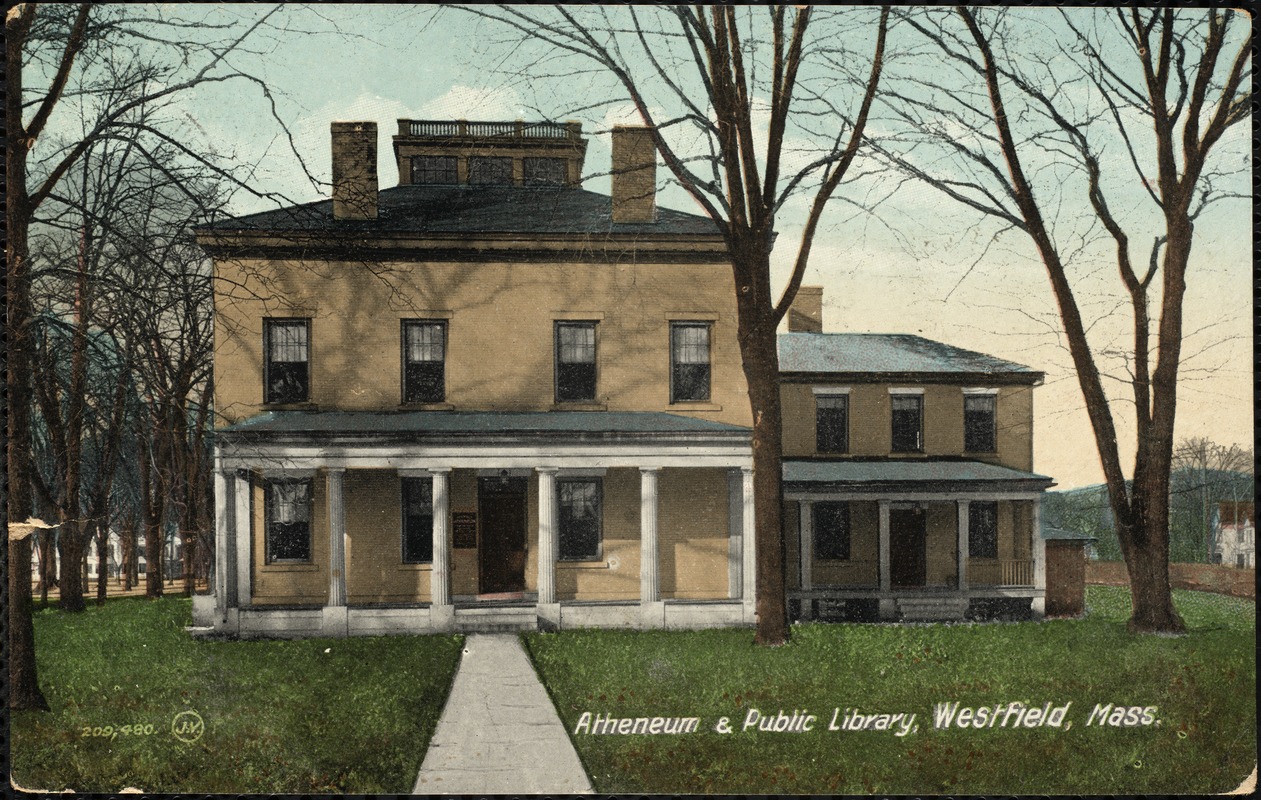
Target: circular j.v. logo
[(187, 726)]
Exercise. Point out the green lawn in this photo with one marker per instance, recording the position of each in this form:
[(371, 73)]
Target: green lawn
[(1203, 685), (320, 715)]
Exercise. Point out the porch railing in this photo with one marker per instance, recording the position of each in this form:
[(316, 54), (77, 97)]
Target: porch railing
[(1001, 572), (517, 129)]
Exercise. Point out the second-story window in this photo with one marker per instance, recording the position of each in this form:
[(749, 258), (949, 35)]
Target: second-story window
[(979, 423), (434, 170), (424, 361), (908, 423), (575, 362), (543, 171), (487, 170), (831, 417), (286, 373), (983, 529), (689, 361)]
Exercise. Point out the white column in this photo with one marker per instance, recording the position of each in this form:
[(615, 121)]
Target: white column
[(243, 522), (652, 610), (223, 539), (962, 553), (1039, 561), (735, 535), (334, 482), (805, 530), (887, 608), (548, 535), (749, 540), (440, 573)]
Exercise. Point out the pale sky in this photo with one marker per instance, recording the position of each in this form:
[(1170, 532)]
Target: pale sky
[(918, 265)]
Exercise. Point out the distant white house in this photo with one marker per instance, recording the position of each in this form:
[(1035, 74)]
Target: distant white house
[(1235, 534), (114, 558)]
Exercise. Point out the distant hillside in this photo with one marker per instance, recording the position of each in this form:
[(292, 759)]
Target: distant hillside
[(1194, 494)]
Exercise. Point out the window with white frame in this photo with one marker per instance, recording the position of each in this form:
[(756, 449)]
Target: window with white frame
[(980, 423), (908, 423), (831, 417), (579, 507), (417, 520), (689, 361), (983, 529), (575, 362), (424, 361), (286, 369), (287, 510)]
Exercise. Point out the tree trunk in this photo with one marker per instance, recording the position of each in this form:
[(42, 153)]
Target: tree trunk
[(102, 562), (72, 557)]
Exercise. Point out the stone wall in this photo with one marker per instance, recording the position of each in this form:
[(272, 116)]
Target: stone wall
[(1197, 577)]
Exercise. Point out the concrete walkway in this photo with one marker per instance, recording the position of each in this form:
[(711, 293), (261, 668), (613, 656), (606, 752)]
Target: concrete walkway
[(499, 732)]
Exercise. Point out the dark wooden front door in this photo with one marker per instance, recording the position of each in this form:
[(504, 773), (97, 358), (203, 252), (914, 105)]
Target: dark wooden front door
[(907, 552), (502, 509)]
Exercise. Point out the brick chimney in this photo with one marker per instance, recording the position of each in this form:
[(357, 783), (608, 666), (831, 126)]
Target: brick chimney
[(354, 170), (634, 174), (806, 313)]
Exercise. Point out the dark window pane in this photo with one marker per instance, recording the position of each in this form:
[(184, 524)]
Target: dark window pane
[(490, 170), (575, 361), (907, 423), (689, 362), (287, 507), (434, 170), (287, 373), (424, 362), (417, 520), (579, 503), (979, 423), (543, 171), (831, 530), (983, 530), (832, 423)]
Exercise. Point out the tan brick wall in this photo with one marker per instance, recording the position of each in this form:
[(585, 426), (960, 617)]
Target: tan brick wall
[(870, 422), (615, 576), (692, 526), (500, 331), (291, 584)]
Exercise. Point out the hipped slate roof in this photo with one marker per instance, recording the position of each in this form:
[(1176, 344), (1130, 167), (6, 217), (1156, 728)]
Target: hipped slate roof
[(868, 353), (425, 209), (444, 424), (920, 475)]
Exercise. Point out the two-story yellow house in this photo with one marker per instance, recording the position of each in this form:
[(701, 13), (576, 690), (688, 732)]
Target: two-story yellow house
[(908, 479), (487, 398), (483, 398)]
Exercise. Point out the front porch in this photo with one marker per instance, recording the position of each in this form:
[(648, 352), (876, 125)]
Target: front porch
[(528, 521)]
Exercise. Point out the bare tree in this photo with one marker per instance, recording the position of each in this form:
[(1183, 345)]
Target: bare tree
[(1025, 119), (1205, 473), (704, 80)]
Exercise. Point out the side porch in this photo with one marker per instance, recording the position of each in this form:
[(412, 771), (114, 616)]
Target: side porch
[(913, 541)]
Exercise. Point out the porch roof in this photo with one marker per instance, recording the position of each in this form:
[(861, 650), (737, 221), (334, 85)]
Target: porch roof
[(908, 475), (464, 424), (1060, 534)]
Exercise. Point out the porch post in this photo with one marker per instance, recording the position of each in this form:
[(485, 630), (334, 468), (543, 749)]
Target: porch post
[(735, 529), (441, 612), (243, 523), (805, 532), (887, 606), (548, 608), (1039, 561), (223, 540), (334, 619), (964, 508), (749, 542), (651, 607)]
